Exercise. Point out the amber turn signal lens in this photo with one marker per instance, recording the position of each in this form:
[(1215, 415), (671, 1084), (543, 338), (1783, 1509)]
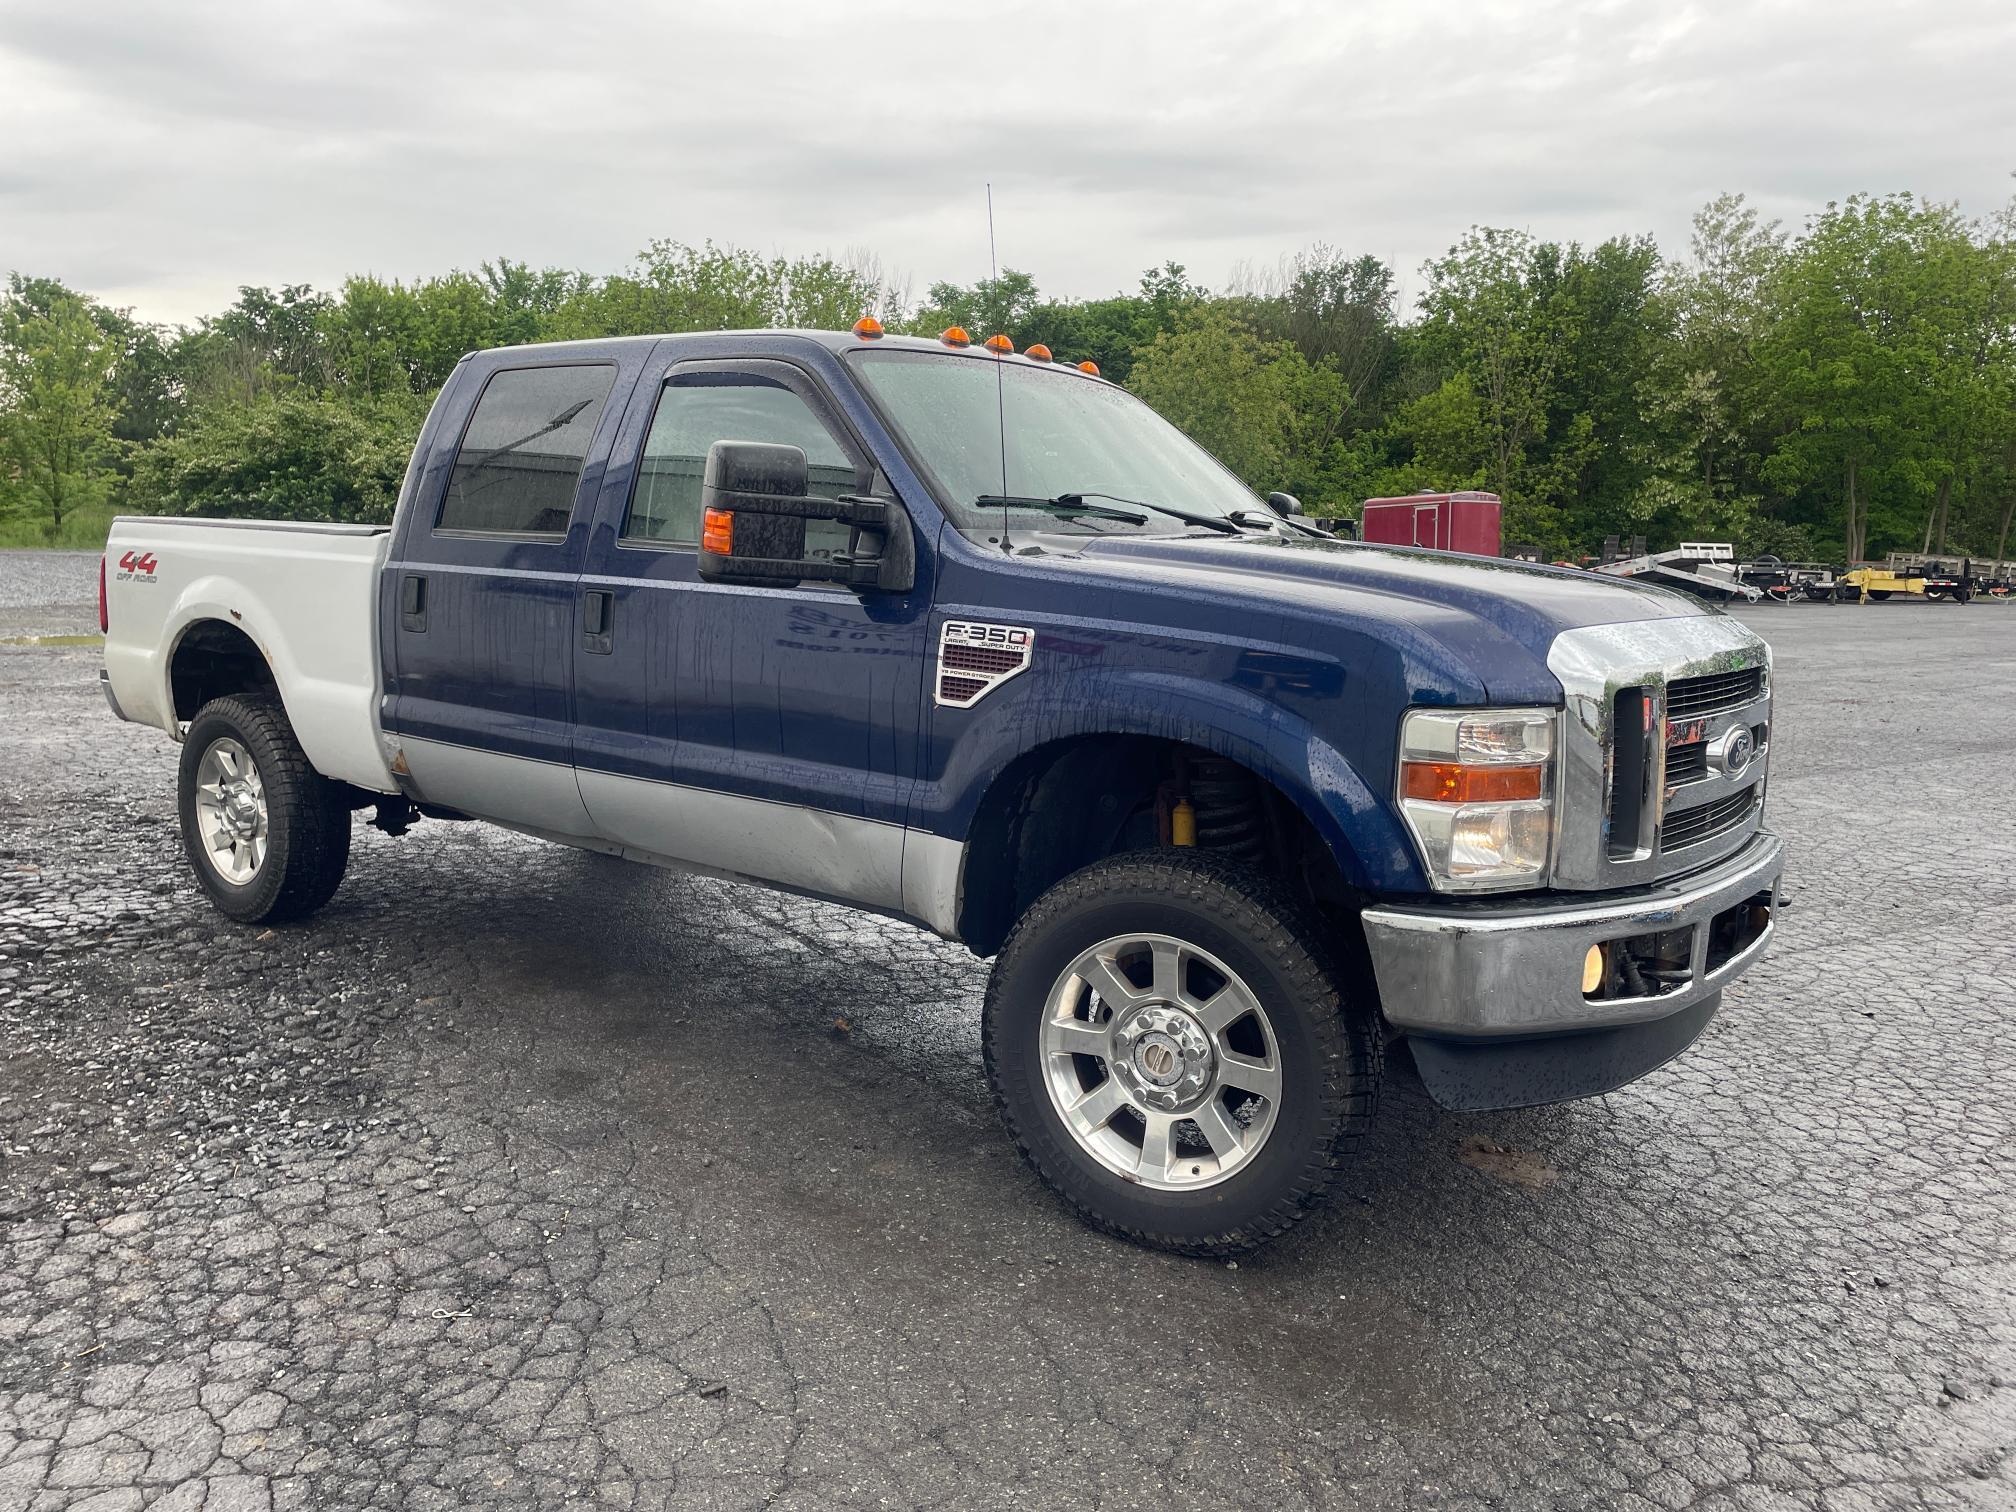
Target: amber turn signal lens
[(868, 328), (717, 531), (1038, 353), (1000, 343), (955, 336), (1089, 367), (1449, 782), (1592, 971)]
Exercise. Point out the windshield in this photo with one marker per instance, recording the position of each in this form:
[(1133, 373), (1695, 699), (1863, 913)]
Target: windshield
[(1066, 434)]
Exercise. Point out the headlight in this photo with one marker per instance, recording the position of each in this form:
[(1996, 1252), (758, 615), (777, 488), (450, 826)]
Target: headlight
[(1477, 790)]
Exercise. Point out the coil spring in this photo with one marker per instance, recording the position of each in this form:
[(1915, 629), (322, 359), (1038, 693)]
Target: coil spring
[(1229, 816)]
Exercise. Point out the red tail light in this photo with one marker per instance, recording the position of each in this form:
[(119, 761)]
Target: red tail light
[(104, 620)]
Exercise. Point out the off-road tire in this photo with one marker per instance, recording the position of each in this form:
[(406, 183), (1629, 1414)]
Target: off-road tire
[(308, 817), (1331, 1052)]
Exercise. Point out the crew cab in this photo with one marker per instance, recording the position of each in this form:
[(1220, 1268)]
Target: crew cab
[(973, 638)]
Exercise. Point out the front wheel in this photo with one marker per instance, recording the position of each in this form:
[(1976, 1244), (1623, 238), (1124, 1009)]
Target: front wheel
[(267, 835), (1171, 1048)]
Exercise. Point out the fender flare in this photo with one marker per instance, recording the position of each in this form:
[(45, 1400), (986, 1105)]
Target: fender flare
[(200, 604), (1372, 850)]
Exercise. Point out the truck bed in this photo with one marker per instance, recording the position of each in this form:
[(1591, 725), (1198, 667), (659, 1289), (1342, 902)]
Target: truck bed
[(306, 595)]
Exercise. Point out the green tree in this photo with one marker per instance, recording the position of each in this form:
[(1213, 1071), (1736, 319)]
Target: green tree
[(266, 339), (1003, 305), (676, 287), (56, 402), (1234, 394), (1490, 323), (1866, 362), (287, 456)]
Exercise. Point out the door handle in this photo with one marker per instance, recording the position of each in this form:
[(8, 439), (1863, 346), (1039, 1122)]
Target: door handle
[(597, 610), (413, 602)]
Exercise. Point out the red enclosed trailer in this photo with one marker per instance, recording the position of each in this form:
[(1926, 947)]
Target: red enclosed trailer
[(1446, 521)]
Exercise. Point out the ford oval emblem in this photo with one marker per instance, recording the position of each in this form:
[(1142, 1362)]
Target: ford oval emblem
[(1737, 749)]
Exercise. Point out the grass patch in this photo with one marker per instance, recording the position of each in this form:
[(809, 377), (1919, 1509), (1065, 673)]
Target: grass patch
[(52, 640), (84, 530)]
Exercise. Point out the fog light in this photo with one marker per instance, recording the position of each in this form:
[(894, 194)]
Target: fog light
[(1592, 971)]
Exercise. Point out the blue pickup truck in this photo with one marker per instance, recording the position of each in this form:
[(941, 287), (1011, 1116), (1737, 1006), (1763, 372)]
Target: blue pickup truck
[(973, 638)]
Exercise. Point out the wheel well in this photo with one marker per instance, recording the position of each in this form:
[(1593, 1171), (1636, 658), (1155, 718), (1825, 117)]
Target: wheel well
[(216, 660), (1065, 805)]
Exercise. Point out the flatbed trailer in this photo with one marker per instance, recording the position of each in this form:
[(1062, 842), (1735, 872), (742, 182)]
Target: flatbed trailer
[(1704, 567)]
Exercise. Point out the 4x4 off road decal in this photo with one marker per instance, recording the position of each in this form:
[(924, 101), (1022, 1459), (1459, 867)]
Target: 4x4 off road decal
[(975, 659), (137, 566)]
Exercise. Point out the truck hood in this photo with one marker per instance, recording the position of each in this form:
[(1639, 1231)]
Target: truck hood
[(1494, 619)]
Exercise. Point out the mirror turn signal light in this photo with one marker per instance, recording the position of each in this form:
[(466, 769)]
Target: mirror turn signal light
[(1038, 353), (955, 336), (868, 328), (717, 531), (1089, 367), (1452, 782), (999, 343)]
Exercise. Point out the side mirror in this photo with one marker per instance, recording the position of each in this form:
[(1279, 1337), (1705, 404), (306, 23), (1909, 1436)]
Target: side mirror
[(1284, 504), (753, 510)]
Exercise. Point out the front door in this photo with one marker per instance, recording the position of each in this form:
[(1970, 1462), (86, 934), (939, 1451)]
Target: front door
[(764, 732), (481, 598)]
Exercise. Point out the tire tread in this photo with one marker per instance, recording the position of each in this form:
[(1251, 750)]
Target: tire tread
[(1286, 934), (316, 848)]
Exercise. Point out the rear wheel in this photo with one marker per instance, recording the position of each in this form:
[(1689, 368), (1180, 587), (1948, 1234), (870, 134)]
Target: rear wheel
[(267, 835), (1170, 1048)]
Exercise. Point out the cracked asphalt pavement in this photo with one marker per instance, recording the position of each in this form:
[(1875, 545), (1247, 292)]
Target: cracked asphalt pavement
[(520, 1177)]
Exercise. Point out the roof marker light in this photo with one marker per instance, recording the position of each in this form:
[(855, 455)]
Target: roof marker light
[(999, 343), (955, 336), (868, 328), (1089, 367), (1037, 353)]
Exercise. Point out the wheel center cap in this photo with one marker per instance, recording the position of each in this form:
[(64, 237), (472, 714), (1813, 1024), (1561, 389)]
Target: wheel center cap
[(1159, 1058), (1164, 1058)]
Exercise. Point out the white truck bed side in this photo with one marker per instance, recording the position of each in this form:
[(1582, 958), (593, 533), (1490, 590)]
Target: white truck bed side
[(306, 595)]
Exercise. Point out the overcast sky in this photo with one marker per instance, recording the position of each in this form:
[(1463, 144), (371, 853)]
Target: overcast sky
[(160, 155)]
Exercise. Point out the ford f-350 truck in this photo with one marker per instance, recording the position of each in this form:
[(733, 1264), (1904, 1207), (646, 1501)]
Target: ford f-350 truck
[(973, 638)]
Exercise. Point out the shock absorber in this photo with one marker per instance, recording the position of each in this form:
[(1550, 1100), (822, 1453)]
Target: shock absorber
[(1229, 816)]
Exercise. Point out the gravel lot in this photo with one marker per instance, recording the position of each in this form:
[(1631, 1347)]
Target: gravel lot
[(521, 1177)]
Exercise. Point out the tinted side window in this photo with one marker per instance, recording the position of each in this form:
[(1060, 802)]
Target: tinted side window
[(520, 460), (697, 409)]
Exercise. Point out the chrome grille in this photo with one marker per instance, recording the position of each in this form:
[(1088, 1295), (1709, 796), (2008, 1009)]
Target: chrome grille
[(1686, 763), (1649, 704), (1698, 697), (1692, 826)]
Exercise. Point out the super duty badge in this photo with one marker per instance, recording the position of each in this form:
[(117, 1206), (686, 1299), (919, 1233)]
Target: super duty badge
[(975, 659)]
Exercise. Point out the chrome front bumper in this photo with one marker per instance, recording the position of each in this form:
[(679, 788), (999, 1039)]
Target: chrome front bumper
[(1502, 969)]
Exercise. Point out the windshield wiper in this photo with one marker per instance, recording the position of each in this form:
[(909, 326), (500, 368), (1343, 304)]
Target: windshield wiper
[(1075, 505), (1210, 522), (1255, 517), (1064, 504)]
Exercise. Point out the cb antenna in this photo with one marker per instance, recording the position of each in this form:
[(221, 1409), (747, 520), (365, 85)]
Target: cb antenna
[(1000, 397)]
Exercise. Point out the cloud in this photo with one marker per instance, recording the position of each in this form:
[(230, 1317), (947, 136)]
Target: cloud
[(161, 156)]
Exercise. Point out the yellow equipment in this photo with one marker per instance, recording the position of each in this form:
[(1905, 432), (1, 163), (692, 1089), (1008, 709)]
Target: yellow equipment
[(1879, 583)]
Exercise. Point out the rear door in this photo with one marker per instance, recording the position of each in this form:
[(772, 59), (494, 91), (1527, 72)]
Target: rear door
[(766, 732), (481, 594)]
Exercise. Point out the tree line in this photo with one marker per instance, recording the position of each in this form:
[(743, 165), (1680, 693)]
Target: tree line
[(1829, 394)]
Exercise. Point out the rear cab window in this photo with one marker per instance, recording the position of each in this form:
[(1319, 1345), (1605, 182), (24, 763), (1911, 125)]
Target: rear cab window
[(519, 464)]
